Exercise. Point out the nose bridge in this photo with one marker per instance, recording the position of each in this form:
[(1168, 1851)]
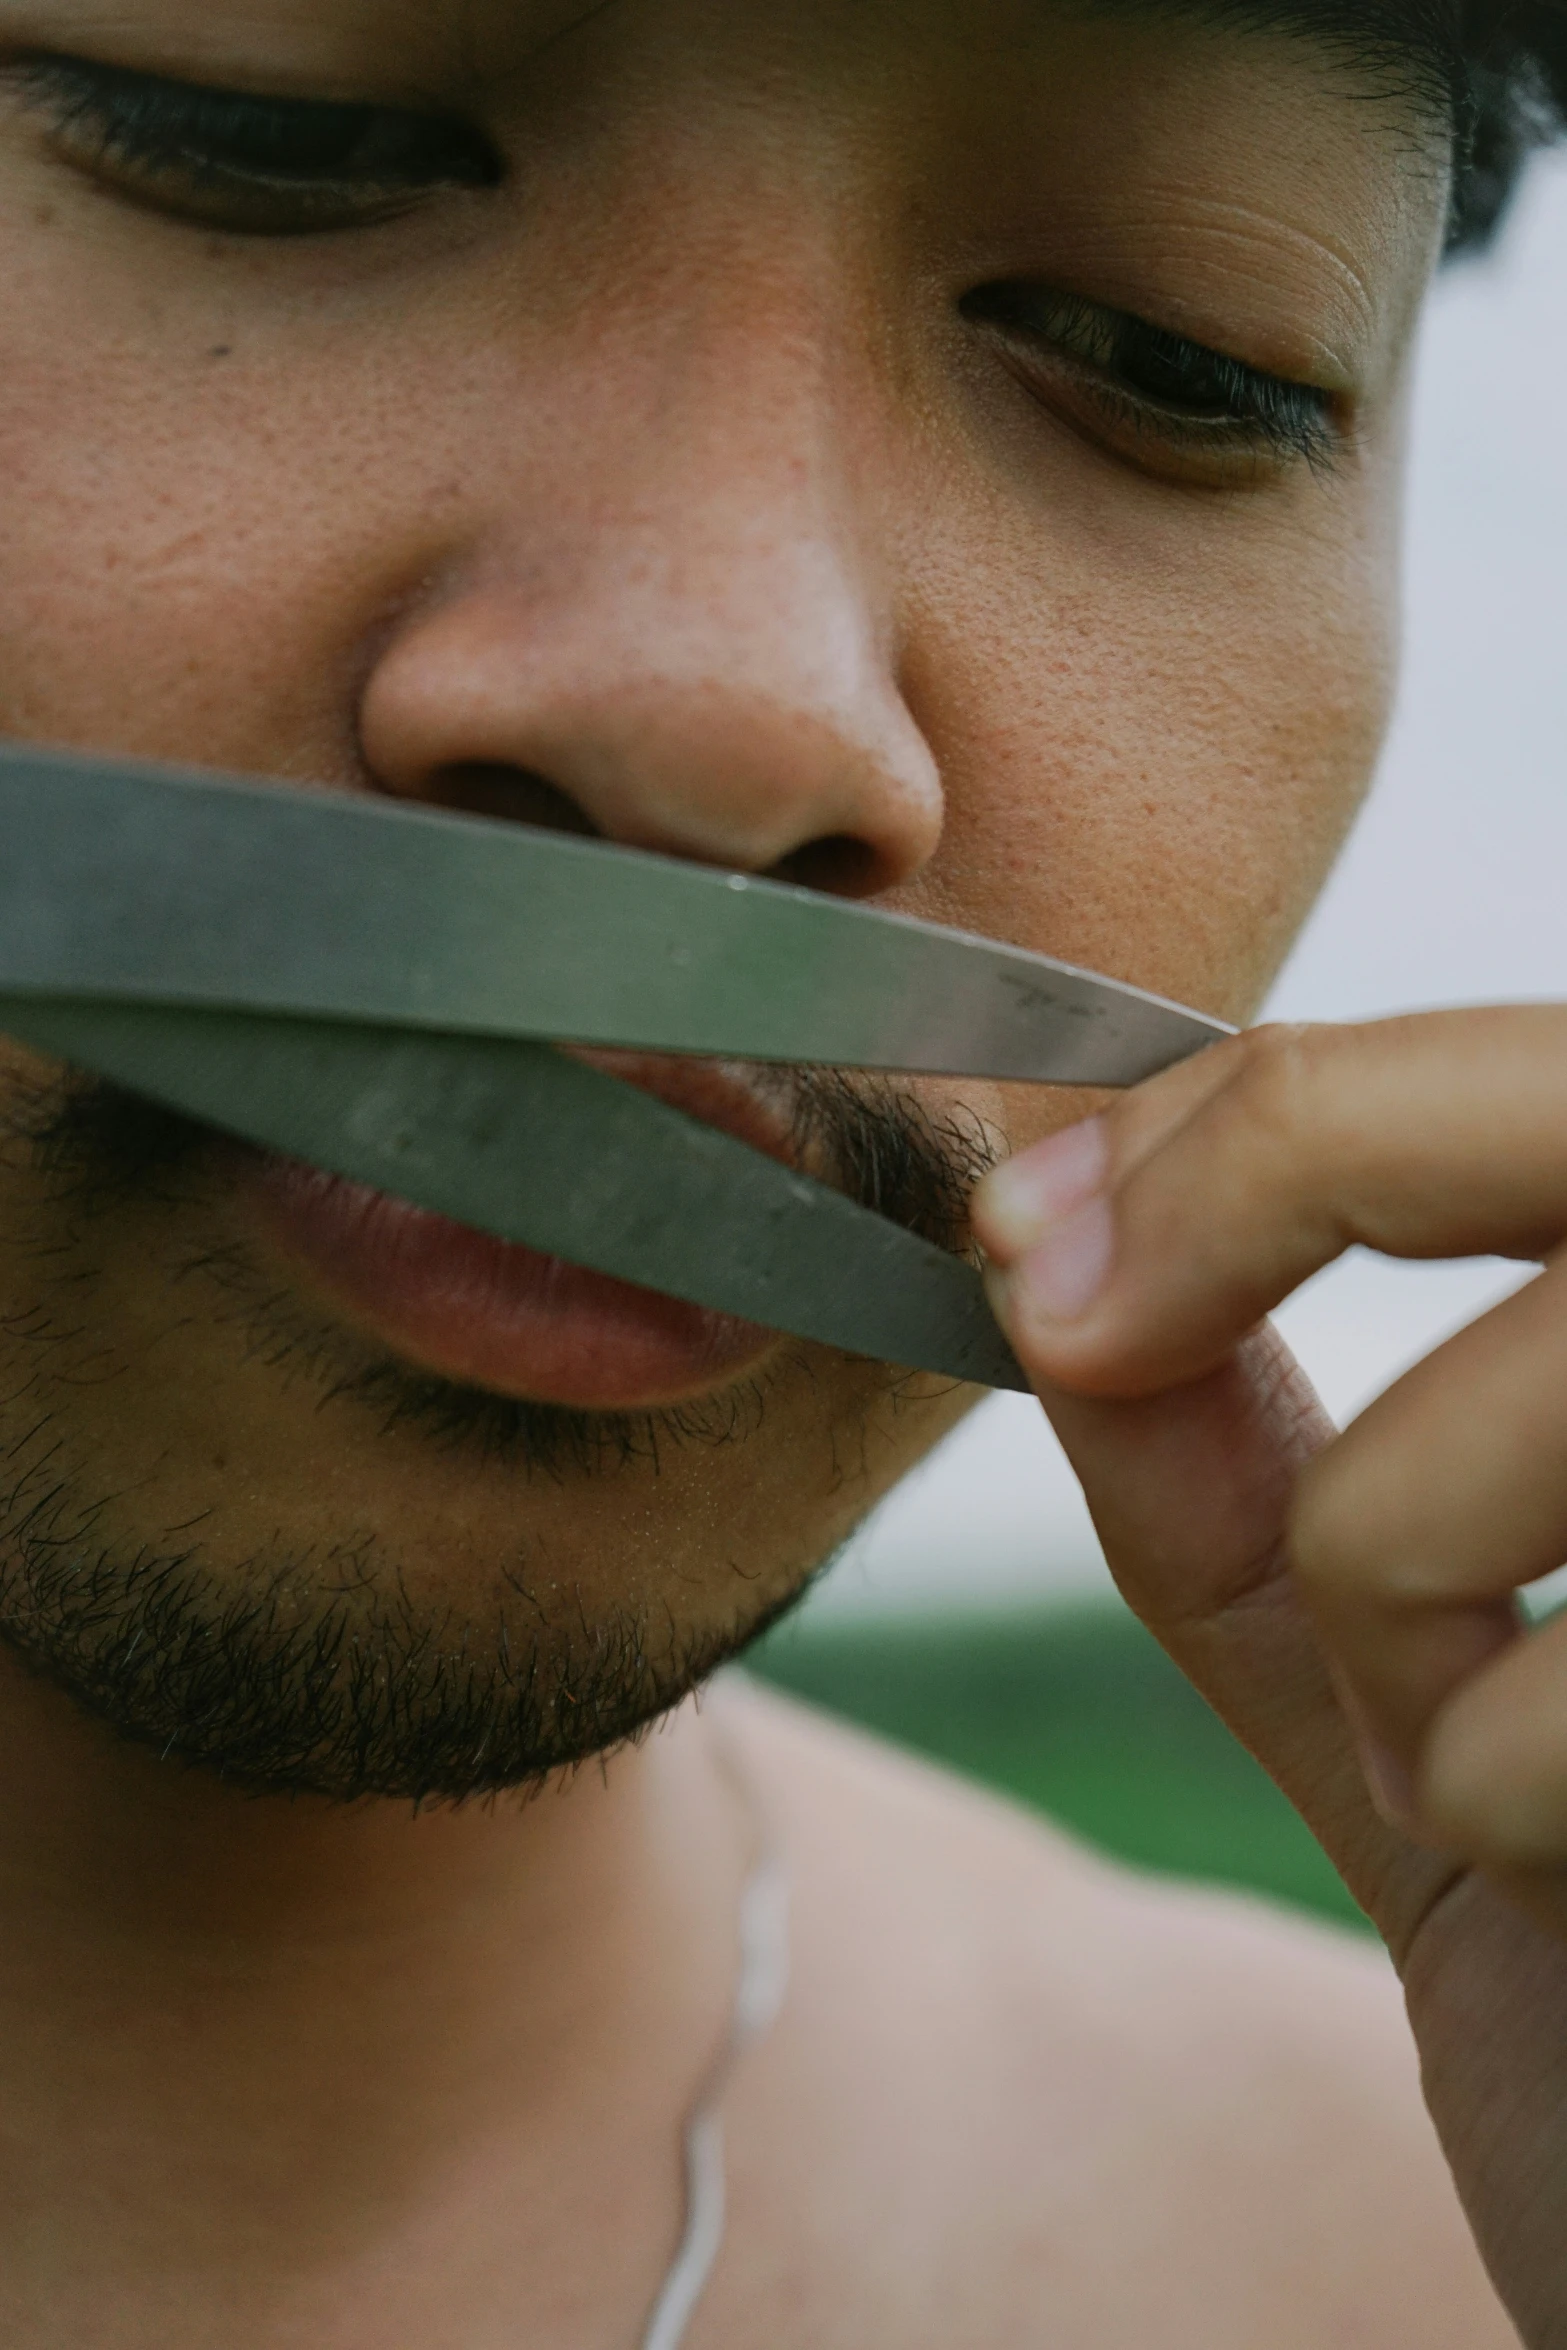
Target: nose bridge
[(720, 497), (672, 605), (734, 553)]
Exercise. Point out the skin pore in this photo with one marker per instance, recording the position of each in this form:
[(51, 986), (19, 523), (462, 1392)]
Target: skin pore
[(901, 566), (948, 453)]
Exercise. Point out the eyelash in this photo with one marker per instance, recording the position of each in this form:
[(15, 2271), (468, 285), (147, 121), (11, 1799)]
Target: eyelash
[(1146, 378), (263, 165), (272, 166)]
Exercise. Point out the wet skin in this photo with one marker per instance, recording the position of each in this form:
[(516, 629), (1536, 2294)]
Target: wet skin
[(734, 444)]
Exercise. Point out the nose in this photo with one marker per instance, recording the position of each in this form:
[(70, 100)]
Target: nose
[(692, 655)]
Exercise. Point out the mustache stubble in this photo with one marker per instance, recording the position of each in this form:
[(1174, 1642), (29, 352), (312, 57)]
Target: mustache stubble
[(96, 1146), (319, 1674)]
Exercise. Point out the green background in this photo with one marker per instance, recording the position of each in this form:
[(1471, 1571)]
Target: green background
[(1078, 1713)]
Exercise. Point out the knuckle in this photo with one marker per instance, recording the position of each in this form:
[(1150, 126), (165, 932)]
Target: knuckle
[(1342, 1548), (1326, 1544), (1513, 1820), (1280, 1084), (1360, 1547)]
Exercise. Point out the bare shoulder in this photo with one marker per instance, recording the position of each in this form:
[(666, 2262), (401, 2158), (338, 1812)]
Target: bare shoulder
[(1090, 2103)]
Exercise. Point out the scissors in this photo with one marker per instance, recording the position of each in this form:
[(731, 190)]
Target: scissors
[(382, 990)]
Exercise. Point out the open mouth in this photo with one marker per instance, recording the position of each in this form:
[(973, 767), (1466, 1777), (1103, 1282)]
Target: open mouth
[(489, 1313)]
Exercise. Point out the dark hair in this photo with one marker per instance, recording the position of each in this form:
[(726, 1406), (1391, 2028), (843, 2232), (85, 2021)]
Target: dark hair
[(1511, 97)]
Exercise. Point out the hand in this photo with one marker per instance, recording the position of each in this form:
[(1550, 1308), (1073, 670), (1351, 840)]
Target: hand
[(1348, 1602)]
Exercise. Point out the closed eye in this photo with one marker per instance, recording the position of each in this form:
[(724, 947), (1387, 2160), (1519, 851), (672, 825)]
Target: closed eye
[(257, 165), (1150, 382)]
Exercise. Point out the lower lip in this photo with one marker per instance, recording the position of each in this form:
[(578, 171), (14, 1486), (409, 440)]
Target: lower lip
[(491, 1315)]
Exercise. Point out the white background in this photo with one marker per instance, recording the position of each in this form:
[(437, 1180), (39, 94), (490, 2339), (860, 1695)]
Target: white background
[(1454, 890)]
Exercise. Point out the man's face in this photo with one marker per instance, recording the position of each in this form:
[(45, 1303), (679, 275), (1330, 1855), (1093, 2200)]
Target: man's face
[(782, 435)]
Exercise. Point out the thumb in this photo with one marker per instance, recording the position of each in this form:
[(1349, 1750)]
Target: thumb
[(1190, 1492)]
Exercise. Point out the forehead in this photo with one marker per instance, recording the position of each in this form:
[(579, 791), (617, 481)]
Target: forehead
[(440, 38)]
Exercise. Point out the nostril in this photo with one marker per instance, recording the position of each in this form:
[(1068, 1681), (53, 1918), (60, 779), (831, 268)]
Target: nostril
[(512, 795), (838, 865)]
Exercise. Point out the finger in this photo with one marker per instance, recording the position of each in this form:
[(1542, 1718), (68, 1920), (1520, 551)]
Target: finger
[(1492, 1781), (1160, 1243), (1060, 1173), (1191, 1492), (1411, 1536)]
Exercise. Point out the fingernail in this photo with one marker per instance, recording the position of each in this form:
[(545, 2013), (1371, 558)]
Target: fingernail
[(1391, 1784), (1041, 1187), (1058, 1281), (1389, 1781)]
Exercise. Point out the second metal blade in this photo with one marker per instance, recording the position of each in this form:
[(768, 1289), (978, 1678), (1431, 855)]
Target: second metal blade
[(527, 1143)]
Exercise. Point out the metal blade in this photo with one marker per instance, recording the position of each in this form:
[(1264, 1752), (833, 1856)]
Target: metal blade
[(122, 880), (368, 987), (525, 1142)]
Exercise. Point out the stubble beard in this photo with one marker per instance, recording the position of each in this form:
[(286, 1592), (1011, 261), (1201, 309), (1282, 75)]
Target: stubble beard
[(324, 1674)]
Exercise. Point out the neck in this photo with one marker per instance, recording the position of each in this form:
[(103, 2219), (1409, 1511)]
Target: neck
[(317, 2015)]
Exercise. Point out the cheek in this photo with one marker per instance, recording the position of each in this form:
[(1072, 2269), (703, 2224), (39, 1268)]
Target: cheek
[(1157, 732), (185, 575)]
